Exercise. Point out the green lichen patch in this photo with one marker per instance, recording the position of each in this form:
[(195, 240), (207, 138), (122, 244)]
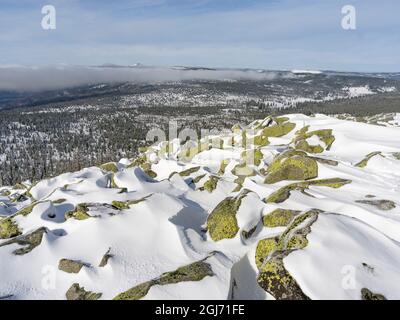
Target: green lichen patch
[(70, 266), (291, 166), (325, 135), (384, 205), (188, 172), (264, 248), (276, 280), (295, 235), (79, 213), (104, 260), (196, 271), (283, 193), (367, 294), (75, 292), (279, 218), (28, 242), (363, 163), (110, 167), (9, 228), (222, 222), (211, 184), (261, 140), (252, 157), (279, 130)]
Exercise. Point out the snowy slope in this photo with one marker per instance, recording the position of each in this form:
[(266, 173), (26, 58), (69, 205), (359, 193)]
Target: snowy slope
[(127, 227)]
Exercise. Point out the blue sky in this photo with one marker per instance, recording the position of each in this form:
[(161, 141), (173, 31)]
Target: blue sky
[(269, 34)]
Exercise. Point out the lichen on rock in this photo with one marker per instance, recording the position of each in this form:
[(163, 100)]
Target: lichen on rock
[(273, 276), (264, 248), (385, 205), (291, 165), (363, 163), (279, 218), (301, 140), (211, 184), (75, 292), (222, 222), (283, 193), (79, 213), (104, 260), (189, 171), (70, 266), (110, 167), (28, 242), (196, 271), (9, 228)]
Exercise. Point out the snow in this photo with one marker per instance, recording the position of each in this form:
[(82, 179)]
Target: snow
[(166, 230)]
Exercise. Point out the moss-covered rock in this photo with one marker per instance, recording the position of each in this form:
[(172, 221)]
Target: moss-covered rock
[(110, 167), (79, 213), (196, 271), (291, 165), (283, 193), (279, 218), (222, 222), (385, 205), (9, 228), (70, 266), (28, 242), (367, 294), (75, 292), (363, 163)]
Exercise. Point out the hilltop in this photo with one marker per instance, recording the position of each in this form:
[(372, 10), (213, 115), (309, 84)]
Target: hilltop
[(288, 207)]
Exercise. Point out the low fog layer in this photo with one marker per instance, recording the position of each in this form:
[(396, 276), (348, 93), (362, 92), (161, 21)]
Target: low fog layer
[(17, 78)]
